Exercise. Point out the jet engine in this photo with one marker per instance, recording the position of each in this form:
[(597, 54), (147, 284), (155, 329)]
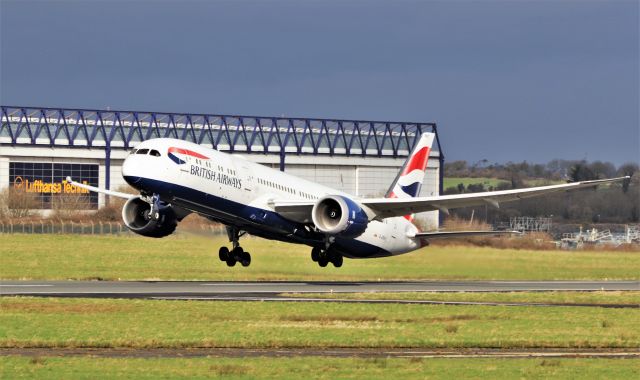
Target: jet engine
[(136, 214), (339, 215)]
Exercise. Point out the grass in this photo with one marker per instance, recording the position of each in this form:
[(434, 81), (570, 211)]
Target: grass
[(466, 181), (319, 368), (599, 298), (73, 323), (487, 182), (182, 257)]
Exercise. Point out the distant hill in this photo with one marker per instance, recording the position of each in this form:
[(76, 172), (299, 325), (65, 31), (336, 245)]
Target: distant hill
[(618, 203)]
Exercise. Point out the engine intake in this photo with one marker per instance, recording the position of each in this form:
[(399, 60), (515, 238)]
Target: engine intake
[(135, 215), (339, 215)]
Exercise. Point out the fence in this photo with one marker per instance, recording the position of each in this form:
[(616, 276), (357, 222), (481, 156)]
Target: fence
[(90, 228), (528, 224)]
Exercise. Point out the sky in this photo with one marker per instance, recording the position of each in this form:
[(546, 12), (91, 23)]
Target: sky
[(503, 80)]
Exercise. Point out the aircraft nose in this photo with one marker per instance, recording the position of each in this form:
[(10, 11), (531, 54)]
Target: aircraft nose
[(129, 172)]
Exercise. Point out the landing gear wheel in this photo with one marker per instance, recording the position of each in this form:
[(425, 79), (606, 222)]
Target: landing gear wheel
[(337, 261), (223, 253), (237, 252), (315, 254), (246, 259), (323, 261)]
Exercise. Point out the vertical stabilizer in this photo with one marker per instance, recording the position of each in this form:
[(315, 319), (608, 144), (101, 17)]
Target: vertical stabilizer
[(408, 182)]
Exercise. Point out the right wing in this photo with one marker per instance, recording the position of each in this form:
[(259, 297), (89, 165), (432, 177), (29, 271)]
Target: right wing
[(99, 190)]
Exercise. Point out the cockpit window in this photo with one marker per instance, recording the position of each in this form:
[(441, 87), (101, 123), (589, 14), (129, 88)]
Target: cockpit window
[(134, 151), (154, 153), (142, 151)]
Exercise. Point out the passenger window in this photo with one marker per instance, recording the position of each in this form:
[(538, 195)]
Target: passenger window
[(142, 151), (155, 153)]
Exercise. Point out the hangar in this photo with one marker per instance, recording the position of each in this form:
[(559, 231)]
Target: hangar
[(39, 147)]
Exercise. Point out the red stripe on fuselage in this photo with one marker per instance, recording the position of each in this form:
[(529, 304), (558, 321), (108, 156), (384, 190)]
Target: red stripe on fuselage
[(417, 161), (187, 152)]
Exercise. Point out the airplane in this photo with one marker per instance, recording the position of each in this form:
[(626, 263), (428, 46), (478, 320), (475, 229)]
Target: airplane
[(176, 178)]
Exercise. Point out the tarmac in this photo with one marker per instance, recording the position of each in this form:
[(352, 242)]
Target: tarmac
[(285, 291)]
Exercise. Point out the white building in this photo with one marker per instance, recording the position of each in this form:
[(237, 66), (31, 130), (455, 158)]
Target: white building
[(39, 147)]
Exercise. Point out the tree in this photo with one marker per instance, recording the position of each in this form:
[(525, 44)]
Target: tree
[(475, 187), (629, 169), (451, 190), (581, 172), (516, 181), (602, 169)]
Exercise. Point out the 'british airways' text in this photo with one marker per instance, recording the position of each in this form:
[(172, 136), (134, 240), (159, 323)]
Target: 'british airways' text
[(221, 178)]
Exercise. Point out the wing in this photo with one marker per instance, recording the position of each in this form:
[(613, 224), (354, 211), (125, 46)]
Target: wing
[(99, 190), (386, 207), (380, 208)]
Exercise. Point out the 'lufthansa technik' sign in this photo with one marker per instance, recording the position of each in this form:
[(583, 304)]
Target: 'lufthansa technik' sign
[(39, 186), (47, 183)]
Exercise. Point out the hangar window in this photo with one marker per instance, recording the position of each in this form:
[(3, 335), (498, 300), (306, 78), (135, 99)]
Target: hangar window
[(154, 153), (142, 151)]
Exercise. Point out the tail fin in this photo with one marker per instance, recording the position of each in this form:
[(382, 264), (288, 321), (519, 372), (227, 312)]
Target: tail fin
[(408, 182)]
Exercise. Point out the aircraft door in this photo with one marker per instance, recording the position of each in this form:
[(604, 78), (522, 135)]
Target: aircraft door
[(246, 175)]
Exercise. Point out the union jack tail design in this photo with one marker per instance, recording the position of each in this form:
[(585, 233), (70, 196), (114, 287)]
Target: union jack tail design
[(409, 180)]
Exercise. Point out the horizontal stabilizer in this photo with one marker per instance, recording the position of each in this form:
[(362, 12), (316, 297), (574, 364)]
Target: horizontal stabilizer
[(456, 234)]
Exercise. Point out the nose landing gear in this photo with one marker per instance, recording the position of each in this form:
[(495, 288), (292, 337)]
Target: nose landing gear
[(236, 254), (326, 256)]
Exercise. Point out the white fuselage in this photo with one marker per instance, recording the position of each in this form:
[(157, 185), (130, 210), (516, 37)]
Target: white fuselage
[(229, 188)]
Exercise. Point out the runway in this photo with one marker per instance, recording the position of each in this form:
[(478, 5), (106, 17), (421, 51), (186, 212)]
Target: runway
[(271, 291)]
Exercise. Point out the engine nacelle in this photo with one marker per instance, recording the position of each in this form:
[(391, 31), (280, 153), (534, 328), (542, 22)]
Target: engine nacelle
[(339, 215), (135, 214)]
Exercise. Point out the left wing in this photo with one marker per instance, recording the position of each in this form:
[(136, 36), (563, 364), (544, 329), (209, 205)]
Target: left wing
[(388, 207), (380, 208)]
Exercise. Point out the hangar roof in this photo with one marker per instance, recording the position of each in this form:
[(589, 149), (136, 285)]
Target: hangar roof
[(56, 127)]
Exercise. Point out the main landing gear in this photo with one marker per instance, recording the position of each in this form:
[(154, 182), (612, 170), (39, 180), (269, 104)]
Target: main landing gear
[(236, 254), (325, 256)]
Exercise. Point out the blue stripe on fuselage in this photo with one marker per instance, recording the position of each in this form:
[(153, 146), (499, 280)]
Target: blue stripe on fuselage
[(264, 223)]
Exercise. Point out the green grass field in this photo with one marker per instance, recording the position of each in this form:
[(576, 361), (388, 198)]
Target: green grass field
[(317, 368), (194, 257), (596, 298), (487, 182), (466, 181), (98, 323), (64, 322)]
